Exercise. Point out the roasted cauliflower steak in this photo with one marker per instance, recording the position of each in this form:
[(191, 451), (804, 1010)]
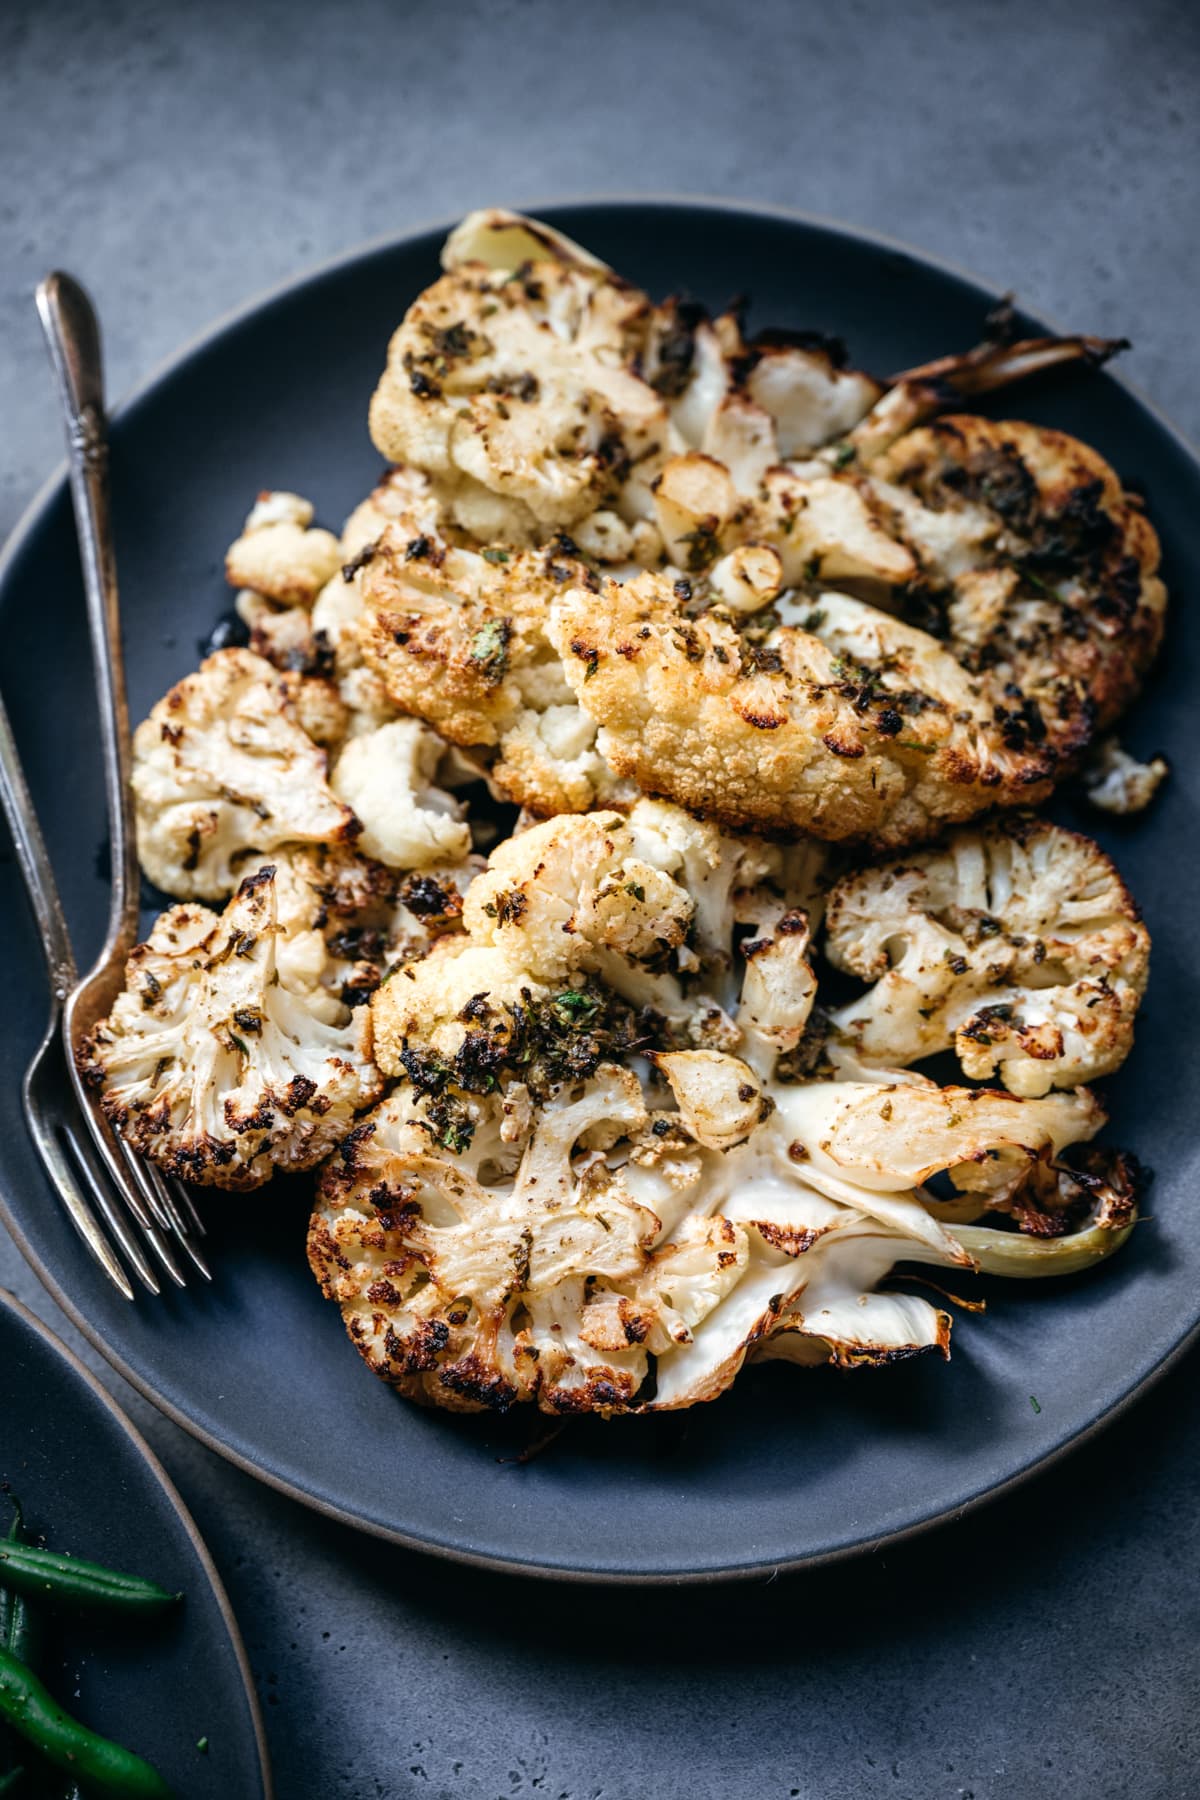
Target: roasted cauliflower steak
[(228, 1056), (228, 765), (986, 594), (607, 1175)]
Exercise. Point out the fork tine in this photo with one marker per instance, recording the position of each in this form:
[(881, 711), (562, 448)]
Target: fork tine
[(89, 1166), (132, 1178), (179, 1225), (110, 1149), (140, 1171), (58, 1168), (159, 1242), (188, 1206), (166, 1199)]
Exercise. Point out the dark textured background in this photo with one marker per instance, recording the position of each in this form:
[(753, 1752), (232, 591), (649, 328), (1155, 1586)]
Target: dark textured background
[(179, 160)]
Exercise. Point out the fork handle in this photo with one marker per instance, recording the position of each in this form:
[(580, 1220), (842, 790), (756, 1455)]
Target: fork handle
[(73, 335), (35, 864)]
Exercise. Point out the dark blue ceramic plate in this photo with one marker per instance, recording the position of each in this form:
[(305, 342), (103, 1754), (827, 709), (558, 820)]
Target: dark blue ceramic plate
[(793, 1467), (92, 1485)]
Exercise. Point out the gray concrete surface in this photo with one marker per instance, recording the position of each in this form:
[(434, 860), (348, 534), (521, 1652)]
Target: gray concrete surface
[(181, 159)]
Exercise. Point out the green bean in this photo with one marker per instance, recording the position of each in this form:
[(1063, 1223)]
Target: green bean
[(100, 1765), (69, 1581), (18, 1633), (7, 1599), (19, 1630)]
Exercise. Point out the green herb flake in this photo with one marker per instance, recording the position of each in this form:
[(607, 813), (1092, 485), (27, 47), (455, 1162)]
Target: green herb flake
[(495, 556), (575, 1004), (844, 456), (703, 547), (912, 744), (202, 1746), (488, 649), (1033, 1401)]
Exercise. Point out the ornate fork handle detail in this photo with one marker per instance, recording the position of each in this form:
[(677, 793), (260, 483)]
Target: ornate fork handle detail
[(87, 441)]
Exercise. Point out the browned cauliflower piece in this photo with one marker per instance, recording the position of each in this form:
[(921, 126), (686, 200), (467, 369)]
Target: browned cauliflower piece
[(518, 393), (551, 1263), (1018, 945), (457, 637), (853, 726), (227, 1056), (585, 1196), (1039, 568), (226, 766)]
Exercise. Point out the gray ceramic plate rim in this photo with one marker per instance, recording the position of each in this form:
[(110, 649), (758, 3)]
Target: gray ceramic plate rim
[(99, 1393), (29, 522)]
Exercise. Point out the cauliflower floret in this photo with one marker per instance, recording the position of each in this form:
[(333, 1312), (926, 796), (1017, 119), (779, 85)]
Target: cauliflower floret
[(224, 1060), (280, 555), (1044, 569), (645, 907), (1116, 782), (535, 386), (1017, 944), (283, 635), (456, 638), (484, 1304), (226, 766), (344, 921), (386, 776), (572, 889), (403, 493), (851, 725), (518, 393)]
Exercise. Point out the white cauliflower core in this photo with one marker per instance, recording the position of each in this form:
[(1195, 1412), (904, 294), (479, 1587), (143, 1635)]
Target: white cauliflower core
[(227, 766), (595, 1191), (227, 1057), (1017, 945)]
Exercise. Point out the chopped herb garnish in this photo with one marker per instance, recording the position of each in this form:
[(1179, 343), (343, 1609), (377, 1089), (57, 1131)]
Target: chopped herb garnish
[(489, 649)]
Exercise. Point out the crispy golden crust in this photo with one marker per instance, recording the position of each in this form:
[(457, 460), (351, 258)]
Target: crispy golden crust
[(793, 735), (453, 632), (457, 637), (1051, 586)]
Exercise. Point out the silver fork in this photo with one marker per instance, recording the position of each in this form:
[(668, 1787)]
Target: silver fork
[(50, 1111), (163, 1211)]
